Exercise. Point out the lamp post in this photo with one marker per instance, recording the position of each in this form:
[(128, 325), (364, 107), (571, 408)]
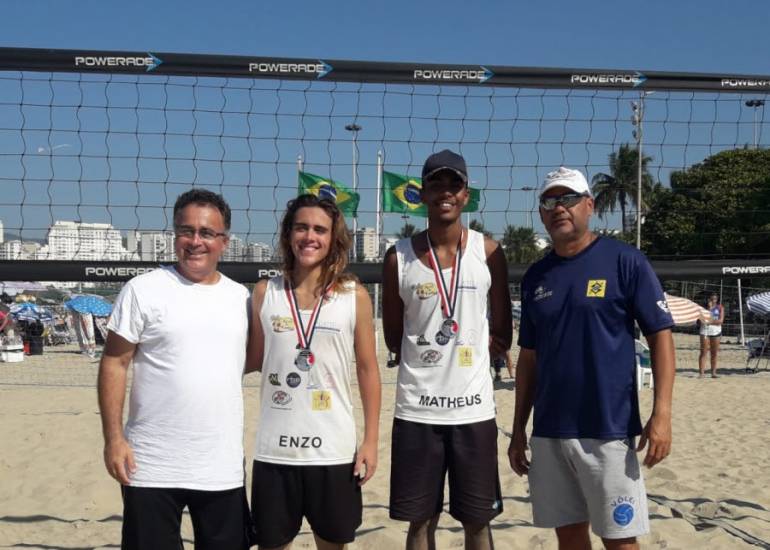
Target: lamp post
[(354, 128), (527, 188), (755, 104), (636, 119)]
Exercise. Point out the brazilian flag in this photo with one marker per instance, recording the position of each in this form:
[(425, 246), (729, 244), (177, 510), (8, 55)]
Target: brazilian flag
[(325, 188), (402, 194)]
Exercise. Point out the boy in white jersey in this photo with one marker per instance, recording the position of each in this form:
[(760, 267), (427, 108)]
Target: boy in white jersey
[(306, 327), (436, 286)]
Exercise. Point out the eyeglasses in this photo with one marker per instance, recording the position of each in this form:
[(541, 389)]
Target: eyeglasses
[(567, 200), (205, 234)]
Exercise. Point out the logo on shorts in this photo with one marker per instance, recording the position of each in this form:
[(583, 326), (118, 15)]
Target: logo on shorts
[(293, 379), (281, 398), (596, 288), (282, 324), (273, 378), (663, 304), (431, 356), (425, 290), (623, 512)]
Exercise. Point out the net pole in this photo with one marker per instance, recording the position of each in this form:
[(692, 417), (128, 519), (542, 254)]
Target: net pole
[(377, 233), (740, 312)]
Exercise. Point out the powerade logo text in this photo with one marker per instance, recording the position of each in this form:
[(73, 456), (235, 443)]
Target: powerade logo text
[(321, 69), (117, 271), (618, 79), (745, 270), (482, 74), (150, 62), (745, 83)]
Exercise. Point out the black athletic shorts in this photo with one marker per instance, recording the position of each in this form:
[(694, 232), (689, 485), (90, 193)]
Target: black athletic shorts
[(421, 456), (328, 496), (152, 517)]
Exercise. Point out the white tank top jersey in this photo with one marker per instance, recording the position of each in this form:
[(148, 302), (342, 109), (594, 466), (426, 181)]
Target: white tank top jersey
[(306, 417), (444, 384)]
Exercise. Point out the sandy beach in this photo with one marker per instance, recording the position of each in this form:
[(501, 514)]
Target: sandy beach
[(712, 492)]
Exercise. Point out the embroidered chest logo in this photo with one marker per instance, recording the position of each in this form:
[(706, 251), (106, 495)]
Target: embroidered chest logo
[(281, 324), (425, 290), (596, 288), (541, 293)]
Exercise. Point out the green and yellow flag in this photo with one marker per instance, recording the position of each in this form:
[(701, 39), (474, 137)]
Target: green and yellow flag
[(402, 194), (325, 188)]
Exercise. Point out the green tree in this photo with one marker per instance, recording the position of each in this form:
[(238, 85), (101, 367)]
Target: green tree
[(612, 191), (406, 231), (520, 245), (718, 206), (479, 226)]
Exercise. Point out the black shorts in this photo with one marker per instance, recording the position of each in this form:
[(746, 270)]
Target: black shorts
[(422, 454), (152, 517), (328, 496)]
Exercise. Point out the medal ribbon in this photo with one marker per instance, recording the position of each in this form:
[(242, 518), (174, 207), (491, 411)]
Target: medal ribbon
[(304, 337), (448, 297)]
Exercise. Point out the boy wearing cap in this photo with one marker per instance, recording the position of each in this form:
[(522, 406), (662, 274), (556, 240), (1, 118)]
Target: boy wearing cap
[(576, 368), (435, 292)]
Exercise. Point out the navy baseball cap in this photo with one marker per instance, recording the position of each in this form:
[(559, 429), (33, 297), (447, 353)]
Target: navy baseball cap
[(444, 160)]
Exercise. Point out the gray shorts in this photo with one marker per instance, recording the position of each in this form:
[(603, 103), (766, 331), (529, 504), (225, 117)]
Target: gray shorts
[(594, 480)]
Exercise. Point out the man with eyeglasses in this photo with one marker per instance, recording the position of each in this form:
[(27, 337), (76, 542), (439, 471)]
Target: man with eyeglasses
[(184, 327), (576, 369)]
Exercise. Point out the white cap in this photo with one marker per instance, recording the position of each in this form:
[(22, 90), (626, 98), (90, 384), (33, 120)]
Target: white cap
[(565, 177)]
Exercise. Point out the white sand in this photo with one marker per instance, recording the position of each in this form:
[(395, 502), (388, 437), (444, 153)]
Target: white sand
[(713, 489)]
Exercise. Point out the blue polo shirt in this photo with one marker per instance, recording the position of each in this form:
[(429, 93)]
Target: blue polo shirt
[(578, 315)]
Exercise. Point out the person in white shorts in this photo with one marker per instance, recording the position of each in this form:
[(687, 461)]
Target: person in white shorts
[(184, 328), (710, 332), (308, 325), (576, 369)]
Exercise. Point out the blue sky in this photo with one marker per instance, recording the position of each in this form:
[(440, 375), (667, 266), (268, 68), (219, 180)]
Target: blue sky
[(687, 36)]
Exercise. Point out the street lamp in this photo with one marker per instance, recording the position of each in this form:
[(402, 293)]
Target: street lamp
[(532, 208), (354, 128), (755, 104), (636, 119)]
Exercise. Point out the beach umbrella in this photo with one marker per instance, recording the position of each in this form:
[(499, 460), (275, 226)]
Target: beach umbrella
[(759, 304), (27, 311), (685, 312), (96, 306)]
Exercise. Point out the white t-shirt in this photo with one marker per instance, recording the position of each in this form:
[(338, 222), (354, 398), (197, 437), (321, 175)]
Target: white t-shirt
[(306, 416), (450, 383), (185, 419)]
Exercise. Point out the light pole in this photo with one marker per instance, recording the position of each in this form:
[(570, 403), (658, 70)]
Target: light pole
[(354, 128), (636, 119), (755, 104), (527, 188)]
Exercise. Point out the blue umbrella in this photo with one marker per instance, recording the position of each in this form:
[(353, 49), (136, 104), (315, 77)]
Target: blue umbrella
[(759, 304), (27, 311), (94, 305)]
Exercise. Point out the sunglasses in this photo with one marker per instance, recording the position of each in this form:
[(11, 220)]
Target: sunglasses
[(185, 232), (567, 200)]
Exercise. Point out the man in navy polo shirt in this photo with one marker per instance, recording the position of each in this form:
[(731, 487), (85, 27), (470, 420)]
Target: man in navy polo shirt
[(577, 369)]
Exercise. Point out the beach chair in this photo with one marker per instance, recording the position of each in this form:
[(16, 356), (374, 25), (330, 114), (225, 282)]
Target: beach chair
[(759, 350), (643, 365)]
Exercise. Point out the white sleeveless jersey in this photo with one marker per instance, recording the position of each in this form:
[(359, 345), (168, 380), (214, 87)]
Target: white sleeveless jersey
[(306, 417), (444, 384)]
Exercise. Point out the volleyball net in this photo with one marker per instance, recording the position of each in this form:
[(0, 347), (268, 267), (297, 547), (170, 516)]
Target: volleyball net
[(96, 146)]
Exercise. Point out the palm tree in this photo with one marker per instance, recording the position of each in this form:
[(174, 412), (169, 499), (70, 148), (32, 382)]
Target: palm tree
[(612, 190), (407, 231), (476, 225), (520, 245)]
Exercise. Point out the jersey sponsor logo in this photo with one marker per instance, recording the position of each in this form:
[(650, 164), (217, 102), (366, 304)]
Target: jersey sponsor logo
[(444, 402), (541, 293), (596, 288), (662, 304), (282, 324), (322, 400), (421, 341), (273, 378), (327, 328), (431, 356), (300, 441), (425, 290), (281, 398), (467, 287), (293, 379), (622, 510), (465, 356)]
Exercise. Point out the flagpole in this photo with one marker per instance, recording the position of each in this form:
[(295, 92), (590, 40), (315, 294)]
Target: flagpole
[(354, 129), (300, 163), (377, 233)]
